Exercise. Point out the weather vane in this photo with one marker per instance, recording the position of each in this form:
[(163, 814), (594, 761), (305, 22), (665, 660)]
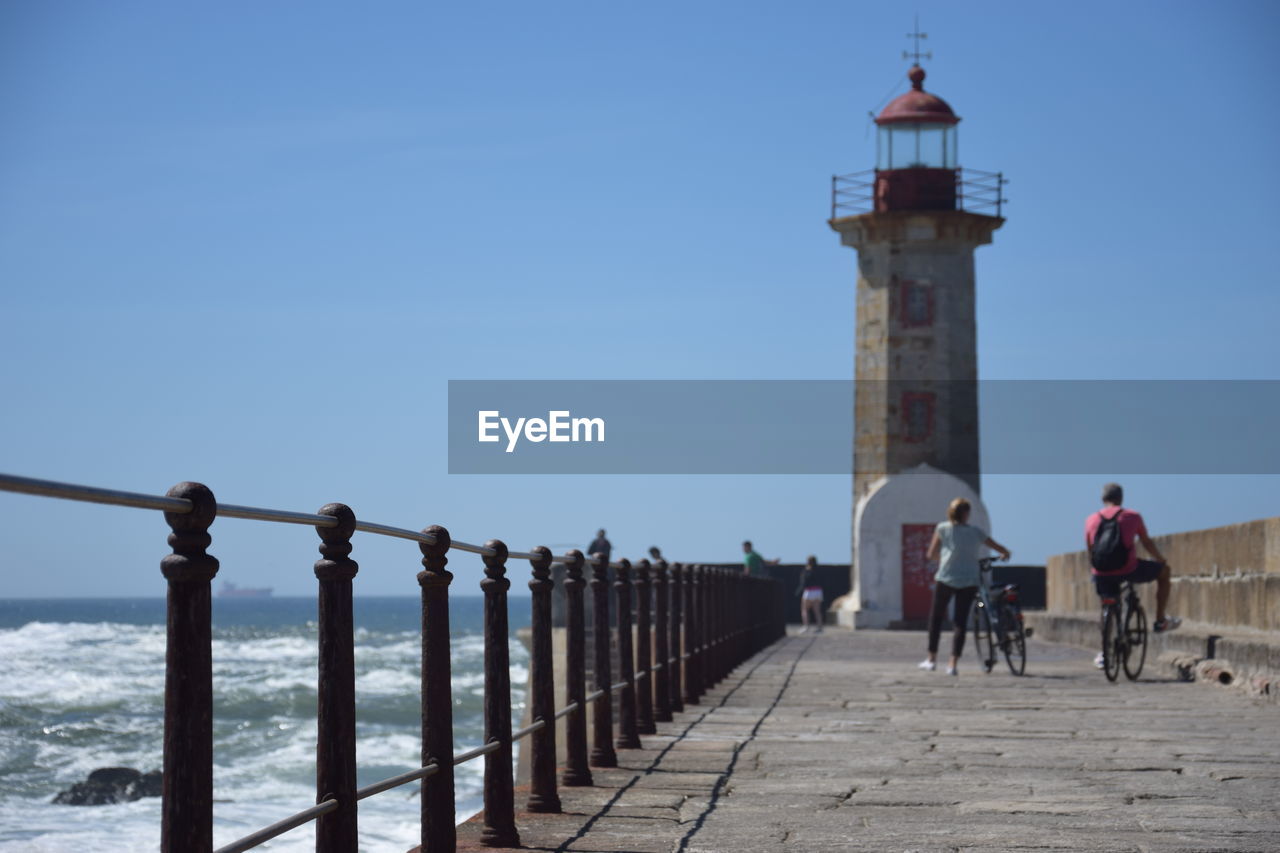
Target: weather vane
[(916, 54)]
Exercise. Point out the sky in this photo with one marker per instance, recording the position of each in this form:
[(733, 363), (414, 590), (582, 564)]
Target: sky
[(249, 245)]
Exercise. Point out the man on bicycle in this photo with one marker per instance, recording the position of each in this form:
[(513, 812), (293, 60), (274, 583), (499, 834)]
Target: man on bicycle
[(1131, 527)]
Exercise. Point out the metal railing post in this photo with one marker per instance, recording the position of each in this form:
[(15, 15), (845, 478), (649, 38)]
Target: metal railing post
[(662, 677), (776, 615), (576, 770), (693, 634), (437, 804), (499, 788), (602, 753), (628, 737), (186, 823), (676, 596), (542, 690), (336, 832), (761, 613), (732, 621), (707, 621), (644, 650), (737, 616), (737, 619), (711, 637), (722, 623)]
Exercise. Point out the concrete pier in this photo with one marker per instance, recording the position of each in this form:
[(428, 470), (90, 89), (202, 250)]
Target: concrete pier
[(836, 742)]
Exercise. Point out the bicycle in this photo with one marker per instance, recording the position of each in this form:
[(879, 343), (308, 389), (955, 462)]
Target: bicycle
[(997, 622), (1124, 633)]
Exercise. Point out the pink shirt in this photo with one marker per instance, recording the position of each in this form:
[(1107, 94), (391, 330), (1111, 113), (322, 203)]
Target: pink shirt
[(1131, 527)]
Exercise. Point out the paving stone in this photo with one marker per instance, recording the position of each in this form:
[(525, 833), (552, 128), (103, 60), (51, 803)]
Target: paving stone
[(836, 742)]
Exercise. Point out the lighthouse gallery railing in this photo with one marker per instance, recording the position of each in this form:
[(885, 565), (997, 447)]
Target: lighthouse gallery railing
[(976, 191), (707, 620)]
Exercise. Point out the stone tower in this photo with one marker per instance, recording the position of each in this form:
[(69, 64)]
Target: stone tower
[(915, 221)]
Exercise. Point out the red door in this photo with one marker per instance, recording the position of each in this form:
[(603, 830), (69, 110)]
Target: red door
[(917, 573)]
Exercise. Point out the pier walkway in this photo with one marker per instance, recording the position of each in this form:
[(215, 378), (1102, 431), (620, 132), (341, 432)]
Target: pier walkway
[(836, 742)]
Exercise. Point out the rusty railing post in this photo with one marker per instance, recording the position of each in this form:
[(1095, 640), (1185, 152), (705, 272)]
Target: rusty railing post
[(693, 634), (716, 641), (499, 788), (628, 738), (542, 690), (438, 832), (733, 620), (742, 616), (752, 600), (740, 613), (336, 832), (662, 675), (675, 654), (644, 652), (779, 617), (576, 772), (722, 624), (602, 753), (707, 621), (186, 823)]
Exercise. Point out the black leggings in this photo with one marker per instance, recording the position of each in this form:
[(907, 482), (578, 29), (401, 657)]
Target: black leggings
[(964, 603)]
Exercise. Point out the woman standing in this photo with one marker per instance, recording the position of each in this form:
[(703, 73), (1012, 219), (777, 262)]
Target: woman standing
[(810, 592), (959, 545)]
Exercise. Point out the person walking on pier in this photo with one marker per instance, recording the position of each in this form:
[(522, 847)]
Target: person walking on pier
[(600, 545), (956, 545), (753, 564), (810, 592), (1113, 530)]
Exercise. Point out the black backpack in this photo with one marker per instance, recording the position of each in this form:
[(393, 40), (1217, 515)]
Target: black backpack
[(1109, 553)]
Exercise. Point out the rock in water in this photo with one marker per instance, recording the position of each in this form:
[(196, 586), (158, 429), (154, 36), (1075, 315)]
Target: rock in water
[(111, 785)]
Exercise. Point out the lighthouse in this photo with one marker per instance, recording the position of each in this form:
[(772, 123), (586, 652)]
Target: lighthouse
[(915, 221)]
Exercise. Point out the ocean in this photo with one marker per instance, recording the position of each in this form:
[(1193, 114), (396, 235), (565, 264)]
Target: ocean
[(82, 687)]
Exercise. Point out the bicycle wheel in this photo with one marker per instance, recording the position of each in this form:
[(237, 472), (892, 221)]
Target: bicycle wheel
[(1014, 642), (1135, 636), (1112, 643), (982, 636)]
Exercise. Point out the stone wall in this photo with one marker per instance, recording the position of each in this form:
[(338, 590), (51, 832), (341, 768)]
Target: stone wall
[(1223, 578)]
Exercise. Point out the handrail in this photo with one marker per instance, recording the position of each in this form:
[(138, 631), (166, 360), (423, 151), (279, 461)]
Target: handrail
[(396, 781), (472, 754), (91, 494), (716, 619), (521, 734), (139, 500), (279, 828)]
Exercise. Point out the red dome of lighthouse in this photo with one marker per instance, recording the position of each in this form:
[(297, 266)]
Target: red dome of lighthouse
[(917, 105)]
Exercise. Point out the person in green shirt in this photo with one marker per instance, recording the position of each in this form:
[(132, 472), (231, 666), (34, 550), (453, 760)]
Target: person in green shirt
[(752, 563)]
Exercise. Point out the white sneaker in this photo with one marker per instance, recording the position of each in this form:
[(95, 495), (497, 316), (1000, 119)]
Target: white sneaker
[(1100, 662), (927, 665), (951, 670)]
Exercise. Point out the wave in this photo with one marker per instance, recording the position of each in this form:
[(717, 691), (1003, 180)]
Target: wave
[(75, 696)]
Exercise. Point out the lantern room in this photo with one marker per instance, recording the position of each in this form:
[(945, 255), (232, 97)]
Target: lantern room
[(916, 151)]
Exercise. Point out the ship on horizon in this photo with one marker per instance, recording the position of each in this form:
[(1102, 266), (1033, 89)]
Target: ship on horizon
[(230, 590)]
